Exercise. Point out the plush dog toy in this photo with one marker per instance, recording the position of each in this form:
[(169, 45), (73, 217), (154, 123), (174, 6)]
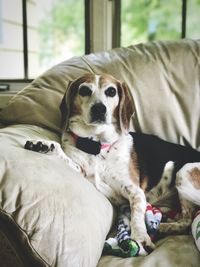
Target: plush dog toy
[(122, 245)]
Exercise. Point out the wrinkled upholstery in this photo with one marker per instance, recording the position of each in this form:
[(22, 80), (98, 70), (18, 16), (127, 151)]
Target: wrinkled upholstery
[(60, 218), (60, 215)]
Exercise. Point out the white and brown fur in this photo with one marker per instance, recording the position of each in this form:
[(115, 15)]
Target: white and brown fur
[(118, 171)]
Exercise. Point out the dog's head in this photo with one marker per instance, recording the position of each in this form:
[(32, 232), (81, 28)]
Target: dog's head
[(95, 101)]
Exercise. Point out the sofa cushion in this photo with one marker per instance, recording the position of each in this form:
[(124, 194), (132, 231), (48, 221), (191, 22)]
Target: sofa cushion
[(56, 215)]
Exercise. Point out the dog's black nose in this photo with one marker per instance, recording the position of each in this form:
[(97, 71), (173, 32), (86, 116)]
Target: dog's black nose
[(98, 108), (98, 112)]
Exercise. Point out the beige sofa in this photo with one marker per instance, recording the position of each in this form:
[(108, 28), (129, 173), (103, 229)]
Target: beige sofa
[(52, 216)]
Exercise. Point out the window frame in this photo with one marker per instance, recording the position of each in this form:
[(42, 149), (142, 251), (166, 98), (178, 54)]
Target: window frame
[(184, 18)]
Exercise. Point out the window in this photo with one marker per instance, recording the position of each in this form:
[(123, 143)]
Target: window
[(148, 20), (37, 34)]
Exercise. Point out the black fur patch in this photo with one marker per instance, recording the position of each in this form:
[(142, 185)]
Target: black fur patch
[(153, 153)]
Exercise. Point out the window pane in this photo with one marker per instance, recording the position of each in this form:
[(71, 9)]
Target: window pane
[(193, 19), (147, 20), (56, 32), (11, 41)]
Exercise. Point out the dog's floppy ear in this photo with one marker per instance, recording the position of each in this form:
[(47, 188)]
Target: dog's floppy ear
[(67, 102), (126, 107)]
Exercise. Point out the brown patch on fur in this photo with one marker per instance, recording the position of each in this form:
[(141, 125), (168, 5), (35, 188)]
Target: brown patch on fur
[(76, 109), (88, 77), (137, 178), (144, 183), (134, 170), (126, 106), (195, 177), (106, 79), (116, 115)]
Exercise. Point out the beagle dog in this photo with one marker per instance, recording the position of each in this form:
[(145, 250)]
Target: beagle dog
[(96, 113)]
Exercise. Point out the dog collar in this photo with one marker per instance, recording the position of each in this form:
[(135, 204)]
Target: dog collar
[(88, 145)]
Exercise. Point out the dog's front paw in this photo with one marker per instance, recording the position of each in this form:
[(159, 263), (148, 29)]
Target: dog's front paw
[(52, 148), (145, 243), (39, 146)]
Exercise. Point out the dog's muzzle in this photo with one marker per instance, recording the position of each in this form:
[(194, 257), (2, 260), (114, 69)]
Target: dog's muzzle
[(98, 113)]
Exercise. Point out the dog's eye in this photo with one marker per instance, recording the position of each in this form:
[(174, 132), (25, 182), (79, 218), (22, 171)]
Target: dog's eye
[(110, 91), (85, 91)]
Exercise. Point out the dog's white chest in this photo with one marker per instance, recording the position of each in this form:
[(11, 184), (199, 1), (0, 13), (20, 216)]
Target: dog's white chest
[(112, 170), (109, 170)]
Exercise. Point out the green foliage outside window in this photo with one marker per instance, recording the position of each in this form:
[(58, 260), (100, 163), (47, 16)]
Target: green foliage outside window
[(62, 31), (148, 20)]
